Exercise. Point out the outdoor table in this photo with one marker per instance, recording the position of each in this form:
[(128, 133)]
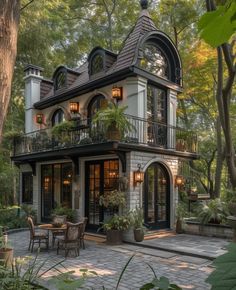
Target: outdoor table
[(51, 228)]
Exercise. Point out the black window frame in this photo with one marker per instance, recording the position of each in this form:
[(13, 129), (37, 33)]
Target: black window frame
[(61, 117), (23, 198), (56, 81)]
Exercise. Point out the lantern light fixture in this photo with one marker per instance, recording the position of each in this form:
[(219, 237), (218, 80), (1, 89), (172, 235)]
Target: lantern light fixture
[(117, 93), (138, 175), (39, 118), (74, 107), (179, 180)]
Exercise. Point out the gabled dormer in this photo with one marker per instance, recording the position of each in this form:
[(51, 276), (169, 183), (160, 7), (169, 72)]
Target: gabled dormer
[(63, 78)]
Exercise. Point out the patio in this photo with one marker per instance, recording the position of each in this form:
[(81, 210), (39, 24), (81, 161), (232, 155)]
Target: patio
[(186, 271)]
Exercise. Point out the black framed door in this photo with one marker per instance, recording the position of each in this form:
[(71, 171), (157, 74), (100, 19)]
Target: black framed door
[(101, 177), (156, 197)]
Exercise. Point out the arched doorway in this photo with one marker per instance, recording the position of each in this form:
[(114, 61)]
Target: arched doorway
[(156, 196)]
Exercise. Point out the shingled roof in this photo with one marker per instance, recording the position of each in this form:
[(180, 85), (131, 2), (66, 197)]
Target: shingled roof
[(127, 55)]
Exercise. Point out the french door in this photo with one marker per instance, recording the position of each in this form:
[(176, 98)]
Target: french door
[(156, 197), (101, 177)]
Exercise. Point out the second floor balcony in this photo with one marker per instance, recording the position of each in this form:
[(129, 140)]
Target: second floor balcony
[(144, 133)]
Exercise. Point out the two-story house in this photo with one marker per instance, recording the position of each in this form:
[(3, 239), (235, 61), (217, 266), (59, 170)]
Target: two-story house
[(146, 75)]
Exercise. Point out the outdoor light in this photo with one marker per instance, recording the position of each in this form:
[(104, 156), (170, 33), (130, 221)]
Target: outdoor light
[(39, 118), (74, 107), (138, 175), (179, 180), (117, 93)]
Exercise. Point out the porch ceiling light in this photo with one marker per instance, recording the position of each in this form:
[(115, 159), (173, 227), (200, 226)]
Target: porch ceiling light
[(74, 107), (117, 93), (39, 118), (138, 175), (179, 180)]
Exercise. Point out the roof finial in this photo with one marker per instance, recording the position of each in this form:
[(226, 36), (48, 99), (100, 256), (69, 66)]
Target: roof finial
[(144, 4)]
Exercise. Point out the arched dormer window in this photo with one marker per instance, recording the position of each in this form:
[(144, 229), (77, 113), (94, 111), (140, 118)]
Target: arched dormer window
[(97, 64), (95, 104), (154, 60), (58, 117), (60, 78)]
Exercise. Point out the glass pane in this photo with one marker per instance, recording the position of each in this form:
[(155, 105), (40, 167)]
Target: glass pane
[(66, 199), (94, 193), (47, 190), (151, 195), (161, 195), (57, 184), (27, 187), (97, 64)]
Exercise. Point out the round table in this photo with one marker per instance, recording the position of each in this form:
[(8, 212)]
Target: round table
[(52, 228)]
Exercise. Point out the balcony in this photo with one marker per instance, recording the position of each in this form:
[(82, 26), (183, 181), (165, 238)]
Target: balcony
[(144, 133)]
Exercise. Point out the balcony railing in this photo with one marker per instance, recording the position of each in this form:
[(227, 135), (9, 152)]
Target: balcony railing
[(144, 132)]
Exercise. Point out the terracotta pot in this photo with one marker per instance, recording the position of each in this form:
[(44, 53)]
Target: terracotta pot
[(114, 237), (138, 235), (113, 133), (6, 255), (179, 227)]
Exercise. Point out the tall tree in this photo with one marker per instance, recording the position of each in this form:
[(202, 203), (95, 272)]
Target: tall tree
[(9, 24)]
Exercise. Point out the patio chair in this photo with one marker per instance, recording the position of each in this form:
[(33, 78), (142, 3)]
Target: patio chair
[(85, 220), (60, 220), (71, 239), (36, 238)]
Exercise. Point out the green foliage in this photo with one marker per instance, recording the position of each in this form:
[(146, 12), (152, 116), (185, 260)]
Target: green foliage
[(214, 211), (224, 275), (181, 211), (114, 198), (216, 27), (114, 115), (162, 283), (117, 223), (136, 217), (68, 212)]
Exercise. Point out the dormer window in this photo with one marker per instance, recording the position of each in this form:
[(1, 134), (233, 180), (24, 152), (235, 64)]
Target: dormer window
[(97, 64), (60, 78), (154, 60)]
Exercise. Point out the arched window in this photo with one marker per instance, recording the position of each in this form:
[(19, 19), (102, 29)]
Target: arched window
[(154, 60), (97, 64), (58, 117), (95, 104), (60, 81)]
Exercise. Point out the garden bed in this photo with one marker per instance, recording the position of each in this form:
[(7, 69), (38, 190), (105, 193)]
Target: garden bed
[(211, 230)]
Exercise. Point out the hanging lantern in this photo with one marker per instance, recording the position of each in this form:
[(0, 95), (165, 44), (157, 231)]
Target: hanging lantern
[(179, 180), (138, 175), (117, 93), (39, 118), (74, 107)]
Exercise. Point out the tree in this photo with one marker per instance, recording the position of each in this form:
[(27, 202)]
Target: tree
[(9, 24)]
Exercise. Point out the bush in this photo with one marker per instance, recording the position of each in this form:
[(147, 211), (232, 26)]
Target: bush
[(215, 211), (70, 213), (117, 223)]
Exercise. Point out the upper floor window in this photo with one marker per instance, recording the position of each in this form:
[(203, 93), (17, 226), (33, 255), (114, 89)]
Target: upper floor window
[(58, 117), (95, 104), (97, 64), (154, 60), (60, 81)]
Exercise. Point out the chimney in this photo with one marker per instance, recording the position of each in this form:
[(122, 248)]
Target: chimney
[(33, 77)]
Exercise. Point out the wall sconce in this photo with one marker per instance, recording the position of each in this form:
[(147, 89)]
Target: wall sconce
[(138, 175), (74, 107), (179, 180), (39, 118), (117, 93)]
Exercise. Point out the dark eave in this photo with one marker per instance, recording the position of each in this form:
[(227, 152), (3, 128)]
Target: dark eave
[(83, 89), (157, 80)]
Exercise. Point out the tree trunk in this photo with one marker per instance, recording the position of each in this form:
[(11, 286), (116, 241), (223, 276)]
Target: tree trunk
[(9, 24)]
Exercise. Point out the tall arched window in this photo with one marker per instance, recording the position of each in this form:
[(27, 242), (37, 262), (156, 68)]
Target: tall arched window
[(97, 64), (58, 117), (154, 60), (95, 104)]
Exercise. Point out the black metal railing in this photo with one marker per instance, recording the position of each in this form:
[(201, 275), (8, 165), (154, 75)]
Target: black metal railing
[(143, 132)]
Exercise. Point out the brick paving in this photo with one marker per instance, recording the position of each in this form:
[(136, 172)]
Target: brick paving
[(188, 272)]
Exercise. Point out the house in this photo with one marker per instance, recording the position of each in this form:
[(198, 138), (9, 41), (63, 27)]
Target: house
[(74, 169)]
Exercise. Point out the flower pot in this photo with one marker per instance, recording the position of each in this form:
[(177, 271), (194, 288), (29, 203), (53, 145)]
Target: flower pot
[(179, 226), (113, 133), (114, 237), (138, 235), (6, 256)]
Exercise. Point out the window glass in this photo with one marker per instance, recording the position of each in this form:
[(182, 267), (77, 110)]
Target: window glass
[(97, 64), (27, 187), (95, 104), (154, 60), (60, 80), (156, 104), (58, 117)]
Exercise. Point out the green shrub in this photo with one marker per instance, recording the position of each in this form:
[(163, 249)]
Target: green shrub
[(117, 223), (214, 211), (70, 213)]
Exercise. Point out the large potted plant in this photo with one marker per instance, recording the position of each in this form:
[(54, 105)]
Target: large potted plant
[(114, 229), (137, 221), (113, 120), (6, 253), (181, 213)]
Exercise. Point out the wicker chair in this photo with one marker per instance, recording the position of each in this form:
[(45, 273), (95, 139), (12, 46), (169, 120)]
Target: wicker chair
[(36, 238), (71, 239), (85, 220), (55, 234)]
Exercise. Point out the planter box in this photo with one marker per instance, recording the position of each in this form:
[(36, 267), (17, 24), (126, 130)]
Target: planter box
[(210, 230)]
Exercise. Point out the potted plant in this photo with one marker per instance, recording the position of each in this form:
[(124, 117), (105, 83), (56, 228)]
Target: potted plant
[(61, 131), (115, 227), (181, 213), (64, 213), (6, 253), (113, 120), (137, 221)]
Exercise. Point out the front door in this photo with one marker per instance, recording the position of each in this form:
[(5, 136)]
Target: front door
[(156, 197), (101, 177)]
